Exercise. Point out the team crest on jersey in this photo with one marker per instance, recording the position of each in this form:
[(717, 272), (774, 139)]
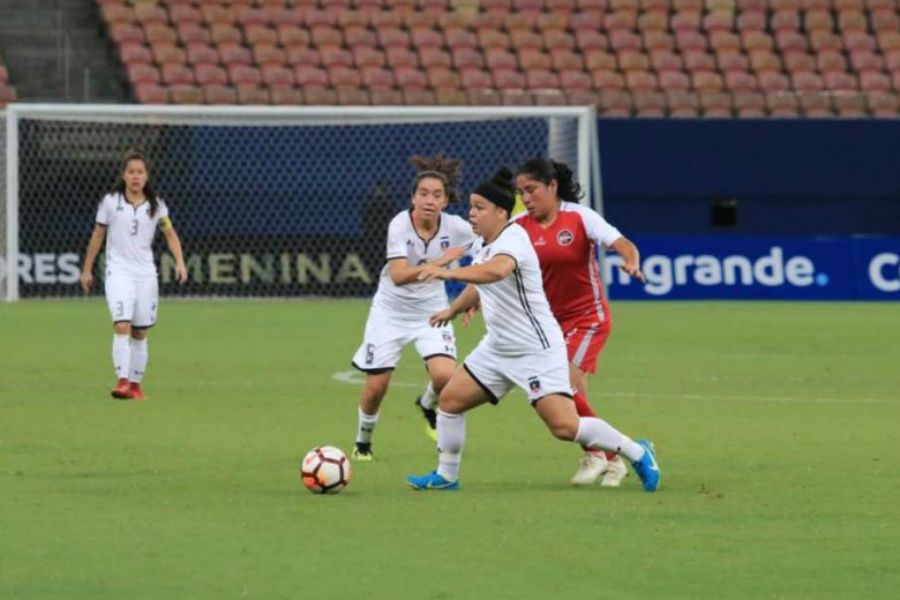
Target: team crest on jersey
[(445, 243), (534, 384), (565, 237)]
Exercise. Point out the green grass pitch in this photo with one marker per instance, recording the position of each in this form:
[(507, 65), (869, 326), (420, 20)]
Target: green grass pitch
[(777, 427)]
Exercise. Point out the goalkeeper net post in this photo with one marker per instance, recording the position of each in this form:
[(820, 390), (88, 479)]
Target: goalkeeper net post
[(268, 201)]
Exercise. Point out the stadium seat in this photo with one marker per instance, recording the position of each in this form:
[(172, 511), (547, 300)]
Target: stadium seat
[(302, 55), (253, 95), (466, 57), (320, 96), (422, 97), (571, 80), (277, 76), (780, 104), (599, 59), (366, 56), (444, 78), (548, 97), (129, 52), (150, 93), (497, 58), (397, 57), (649, 103), (210, 74), (377, 78), (260, 34), (410, 78), (681, 103), (190, 33), (392, 37), (532, 58), (606, 80), (219, 94), (243, 75), (385, 97), (286, 96), (186, 94), (586, 97), (308, 77), (268, 54), (176, 73), (145, 14)]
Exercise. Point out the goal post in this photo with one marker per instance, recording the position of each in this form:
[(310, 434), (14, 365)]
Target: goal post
[(268, 201)]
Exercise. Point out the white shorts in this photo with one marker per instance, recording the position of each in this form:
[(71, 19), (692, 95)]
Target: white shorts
[(385, 338), (540, 373), (132, 299)]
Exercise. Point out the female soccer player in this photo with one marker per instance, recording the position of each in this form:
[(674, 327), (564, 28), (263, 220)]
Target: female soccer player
[(131, 213), (565, 236), (523, 345), (402, 304)]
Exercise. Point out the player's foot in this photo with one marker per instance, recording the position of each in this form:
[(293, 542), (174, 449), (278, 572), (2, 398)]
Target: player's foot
[(136, 392), (432, 481), (430, 419), (122, 391), (590, 467), (647, 467), (362, 452), (615, 472)]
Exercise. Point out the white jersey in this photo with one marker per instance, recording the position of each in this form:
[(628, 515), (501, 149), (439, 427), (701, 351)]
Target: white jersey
[(516, 312), (129, 234), (415, 301)]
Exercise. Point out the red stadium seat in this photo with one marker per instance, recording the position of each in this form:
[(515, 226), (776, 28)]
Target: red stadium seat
[(191, 33), (579, 97), (386, 97), (780, 104), (445, 78), (150, 13), (139, 73), (365, 56), (320, 96), (177, 73), (530, 58), (308, 76), (150, 93), (605, 80), (253, 95), (286, 96), (807, 81), (423, 97), (763, 60), (268, 54), (377, 78), (235, 54), (497, 58), (537, 79), (772, 81), (219, 94), (353, 97), (574, 80), (344, 77), (674, 80), (409, 78), (129, 52), (391, 37), (749, 104), (633, 60), (682, 104), (664, 60), (507, 79), (707, 81), (466, 57), (548, 97), (302, 55), (206, 74), (740, 81), (244, 75), (277, 76), (698, 60), (260, 34)]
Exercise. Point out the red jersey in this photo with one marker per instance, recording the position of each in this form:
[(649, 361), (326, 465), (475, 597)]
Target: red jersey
[(567, 250)]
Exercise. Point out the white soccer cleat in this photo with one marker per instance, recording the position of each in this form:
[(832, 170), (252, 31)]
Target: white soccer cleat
[(590, 468), (615, 472)]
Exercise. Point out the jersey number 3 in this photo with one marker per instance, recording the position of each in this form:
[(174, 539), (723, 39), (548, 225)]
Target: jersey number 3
[(134, 226)]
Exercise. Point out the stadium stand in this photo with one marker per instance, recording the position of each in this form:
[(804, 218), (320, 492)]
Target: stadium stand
[(679, 58)]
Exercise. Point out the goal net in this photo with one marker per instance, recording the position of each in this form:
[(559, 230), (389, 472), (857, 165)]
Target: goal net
[(280, 202)]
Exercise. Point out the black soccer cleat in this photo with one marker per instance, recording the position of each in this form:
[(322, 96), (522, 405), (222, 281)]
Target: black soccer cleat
[(431, 419)]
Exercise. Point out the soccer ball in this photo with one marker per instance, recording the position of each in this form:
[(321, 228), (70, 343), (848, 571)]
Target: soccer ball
[(325, 470)]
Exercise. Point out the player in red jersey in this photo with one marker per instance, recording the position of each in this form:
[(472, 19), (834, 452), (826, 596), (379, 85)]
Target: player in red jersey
[(565, 235)]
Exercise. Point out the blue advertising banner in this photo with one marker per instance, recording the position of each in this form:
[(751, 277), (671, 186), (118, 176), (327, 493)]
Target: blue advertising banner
[(761, 267)]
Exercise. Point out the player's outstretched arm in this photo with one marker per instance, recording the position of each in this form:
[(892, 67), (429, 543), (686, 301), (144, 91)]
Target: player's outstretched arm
[(494, 270), (174, 244), (90, 255), (630, 254), (466, 300)]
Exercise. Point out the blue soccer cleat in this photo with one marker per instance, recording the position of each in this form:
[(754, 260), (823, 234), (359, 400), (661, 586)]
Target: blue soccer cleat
[(432, 481), (647, 468)]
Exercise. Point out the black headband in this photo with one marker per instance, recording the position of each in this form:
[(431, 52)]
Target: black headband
[(496, 194)]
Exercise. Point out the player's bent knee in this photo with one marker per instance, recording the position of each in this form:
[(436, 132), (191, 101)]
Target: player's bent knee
[(563, 431)]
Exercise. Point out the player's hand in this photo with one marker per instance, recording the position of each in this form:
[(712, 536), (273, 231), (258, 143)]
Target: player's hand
[(439, 319), (181, 275), (470, 314), (87, 280), (430, 273), (452, 254), (634, 270)]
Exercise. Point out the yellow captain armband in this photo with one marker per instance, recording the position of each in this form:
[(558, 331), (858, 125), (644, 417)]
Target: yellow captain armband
[(165, 223)]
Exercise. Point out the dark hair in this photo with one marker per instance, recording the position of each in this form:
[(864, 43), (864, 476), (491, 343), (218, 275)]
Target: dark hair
[(149, 192), (545, 171), (499, 190), (440, 167)]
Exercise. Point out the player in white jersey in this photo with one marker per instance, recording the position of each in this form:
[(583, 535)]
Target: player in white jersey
[(402, 305), (523, 346), (128, 218)]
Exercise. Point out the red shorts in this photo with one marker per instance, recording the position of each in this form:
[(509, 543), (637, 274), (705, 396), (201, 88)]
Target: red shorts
[(585, 338)]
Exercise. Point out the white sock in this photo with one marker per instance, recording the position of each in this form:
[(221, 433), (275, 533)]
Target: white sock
[(366, 427), (597, 433), (139, 356), (451, 434), (121, 355), (429, 398)]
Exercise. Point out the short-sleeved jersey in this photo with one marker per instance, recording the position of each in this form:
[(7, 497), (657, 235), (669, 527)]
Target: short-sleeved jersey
[(567, 250), (516, 312), (415, 301), (129, 234)]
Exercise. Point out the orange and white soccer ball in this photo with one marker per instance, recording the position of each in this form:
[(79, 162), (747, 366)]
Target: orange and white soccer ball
[(325, 470)]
